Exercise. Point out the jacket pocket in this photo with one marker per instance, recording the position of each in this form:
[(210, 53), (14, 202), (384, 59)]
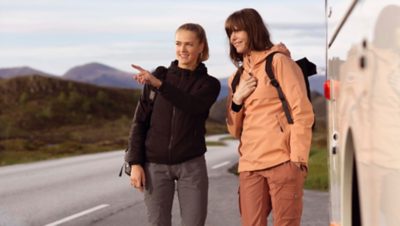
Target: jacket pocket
[(280, 123), (283, 133)]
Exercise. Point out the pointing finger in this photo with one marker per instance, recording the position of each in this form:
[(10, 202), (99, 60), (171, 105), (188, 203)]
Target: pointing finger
[(137, 67)]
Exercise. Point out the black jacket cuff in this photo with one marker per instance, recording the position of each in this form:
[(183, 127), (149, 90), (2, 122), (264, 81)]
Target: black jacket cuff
[(235, 107)]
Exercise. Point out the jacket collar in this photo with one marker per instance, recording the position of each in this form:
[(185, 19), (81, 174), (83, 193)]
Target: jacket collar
[(256, 57), (200, 70)]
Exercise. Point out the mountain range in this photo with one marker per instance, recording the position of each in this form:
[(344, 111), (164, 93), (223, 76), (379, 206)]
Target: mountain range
[(101, 75), (20, 71), (91, 73), (106, 76)]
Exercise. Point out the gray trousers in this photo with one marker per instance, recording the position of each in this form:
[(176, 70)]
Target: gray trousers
[(192, 187)]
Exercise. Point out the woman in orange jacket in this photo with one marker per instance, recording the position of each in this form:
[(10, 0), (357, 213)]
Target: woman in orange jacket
[(273, 153)]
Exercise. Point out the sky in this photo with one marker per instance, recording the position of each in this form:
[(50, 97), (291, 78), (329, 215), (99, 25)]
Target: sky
[(56, 35)]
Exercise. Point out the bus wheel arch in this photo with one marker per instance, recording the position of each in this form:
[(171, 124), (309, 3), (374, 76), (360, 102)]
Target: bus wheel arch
[(350, 184)]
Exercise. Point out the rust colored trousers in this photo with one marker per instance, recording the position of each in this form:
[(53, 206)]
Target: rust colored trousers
[(278, 189)]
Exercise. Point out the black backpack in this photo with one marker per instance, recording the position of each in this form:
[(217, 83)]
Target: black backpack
[(160, 73), (308, 68)]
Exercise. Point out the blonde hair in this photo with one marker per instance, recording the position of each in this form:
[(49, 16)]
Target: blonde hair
[(201, 35)]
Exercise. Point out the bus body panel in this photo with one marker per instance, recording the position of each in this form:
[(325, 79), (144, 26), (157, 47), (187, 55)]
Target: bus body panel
[(363, 67)]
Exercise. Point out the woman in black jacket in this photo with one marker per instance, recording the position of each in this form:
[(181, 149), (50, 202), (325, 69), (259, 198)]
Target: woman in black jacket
[(167, 139)]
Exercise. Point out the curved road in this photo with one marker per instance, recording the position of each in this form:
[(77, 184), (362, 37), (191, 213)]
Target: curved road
[(86, 190)]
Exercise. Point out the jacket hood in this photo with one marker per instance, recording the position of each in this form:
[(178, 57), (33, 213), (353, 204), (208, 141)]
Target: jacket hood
[(258, 57)]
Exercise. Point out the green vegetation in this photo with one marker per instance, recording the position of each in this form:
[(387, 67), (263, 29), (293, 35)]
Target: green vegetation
[(45, 118), (214, 127), (228, 137), (318, 162), (215, 143), (317, 170), (66, 141)]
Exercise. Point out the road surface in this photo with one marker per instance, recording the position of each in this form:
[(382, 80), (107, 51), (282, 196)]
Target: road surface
[(86, 190)]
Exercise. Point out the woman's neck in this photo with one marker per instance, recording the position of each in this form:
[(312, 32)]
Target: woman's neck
[(188, 67)]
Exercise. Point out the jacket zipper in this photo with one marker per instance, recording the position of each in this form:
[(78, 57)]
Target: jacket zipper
[(172, 135), (173, 125)]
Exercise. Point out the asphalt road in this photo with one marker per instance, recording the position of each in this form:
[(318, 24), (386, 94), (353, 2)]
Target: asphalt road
[(86, 190)]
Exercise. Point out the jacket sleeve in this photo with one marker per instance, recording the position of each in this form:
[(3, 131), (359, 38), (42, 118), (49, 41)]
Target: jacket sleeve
[(136, 144), (198, 102), (234, 120), (291, 79)]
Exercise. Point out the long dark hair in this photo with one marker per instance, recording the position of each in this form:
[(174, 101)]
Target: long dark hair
[(248, 20)]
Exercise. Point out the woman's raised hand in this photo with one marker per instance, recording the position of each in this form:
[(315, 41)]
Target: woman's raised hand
[(145, 77), (244, 89)]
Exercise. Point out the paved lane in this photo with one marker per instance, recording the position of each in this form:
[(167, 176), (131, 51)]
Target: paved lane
[(84, 186), (86, 190)]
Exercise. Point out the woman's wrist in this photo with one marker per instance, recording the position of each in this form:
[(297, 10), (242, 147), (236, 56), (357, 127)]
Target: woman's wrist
[(237, 100), (155, 82)]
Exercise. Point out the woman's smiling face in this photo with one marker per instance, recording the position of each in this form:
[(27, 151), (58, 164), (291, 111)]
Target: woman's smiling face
[(240, 39), (188, 49)]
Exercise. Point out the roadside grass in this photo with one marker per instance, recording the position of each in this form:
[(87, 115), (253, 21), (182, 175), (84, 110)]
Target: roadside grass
[(65, 141), (103, 136), (213, 127), (227, 137), (317, 178), (215, 143)]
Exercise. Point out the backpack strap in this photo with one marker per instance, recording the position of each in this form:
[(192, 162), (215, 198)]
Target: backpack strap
[(275, 83), (160, 73), (236, 78), (150, 93)]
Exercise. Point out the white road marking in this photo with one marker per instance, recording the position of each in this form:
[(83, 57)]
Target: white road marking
[(220, 165), (77, 215)]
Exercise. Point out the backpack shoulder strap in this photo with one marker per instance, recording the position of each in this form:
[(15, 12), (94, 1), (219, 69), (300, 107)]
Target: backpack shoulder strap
[(236, 78), (275, 83)]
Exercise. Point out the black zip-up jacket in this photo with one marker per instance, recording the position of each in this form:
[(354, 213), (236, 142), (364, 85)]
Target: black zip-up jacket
[(171, 129)]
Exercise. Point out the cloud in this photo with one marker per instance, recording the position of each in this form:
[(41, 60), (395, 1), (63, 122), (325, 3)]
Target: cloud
[(55, 35)]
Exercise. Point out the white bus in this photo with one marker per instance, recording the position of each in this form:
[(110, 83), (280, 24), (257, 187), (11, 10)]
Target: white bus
[(363, 95)]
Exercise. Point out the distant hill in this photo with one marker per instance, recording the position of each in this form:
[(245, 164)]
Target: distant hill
[(37, 103), (224, 92), (319, 105), (317, 83), (47, 117), (320, 110), (101, 75), (20, 71), (224, 88), (218, 111)]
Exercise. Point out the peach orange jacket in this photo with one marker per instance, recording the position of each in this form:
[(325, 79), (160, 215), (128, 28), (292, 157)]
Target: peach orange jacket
[(266, 138)]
